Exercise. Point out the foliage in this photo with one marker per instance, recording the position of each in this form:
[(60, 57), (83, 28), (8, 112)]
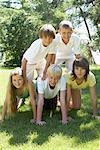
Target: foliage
[(19, 32), (84, 10), (19, 28)]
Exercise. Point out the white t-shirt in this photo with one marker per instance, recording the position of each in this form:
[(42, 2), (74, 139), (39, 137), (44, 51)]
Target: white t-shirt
[(44, 88), (36, 52), (67, 51)]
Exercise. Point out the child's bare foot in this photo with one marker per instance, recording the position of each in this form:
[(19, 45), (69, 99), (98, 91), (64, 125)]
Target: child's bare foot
[(69, 118), (64, 122), (33, 121), (41, 123), (96, 117)]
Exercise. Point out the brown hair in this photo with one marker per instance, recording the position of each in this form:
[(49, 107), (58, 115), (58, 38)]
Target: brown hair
[(82, 62), (47, 30)]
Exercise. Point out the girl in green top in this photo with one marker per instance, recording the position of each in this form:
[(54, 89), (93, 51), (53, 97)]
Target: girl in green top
[(17, 88), (80, 78)]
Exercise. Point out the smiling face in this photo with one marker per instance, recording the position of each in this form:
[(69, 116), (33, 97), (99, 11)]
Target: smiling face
[(53, 79), (80, 72), (17, 81), (46, 40), (65, 34)]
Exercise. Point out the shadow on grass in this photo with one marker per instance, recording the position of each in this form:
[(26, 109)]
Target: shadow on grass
[(83, 129), (20, 129)]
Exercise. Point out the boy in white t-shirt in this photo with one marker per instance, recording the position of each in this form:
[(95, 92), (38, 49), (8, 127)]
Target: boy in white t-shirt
[(68, 45), (48, 90), (34, 57)]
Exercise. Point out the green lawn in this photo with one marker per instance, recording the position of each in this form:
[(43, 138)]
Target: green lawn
[(17, 133)]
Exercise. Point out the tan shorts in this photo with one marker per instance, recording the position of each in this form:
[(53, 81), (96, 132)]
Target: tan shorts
[(39, 67)]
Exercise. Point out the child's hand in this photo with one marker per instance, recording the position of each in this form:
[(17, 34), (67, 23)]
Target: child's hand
[(43, 77), (77, 56), (64, 122), (41, 123), (1, 119), (96, 117), (33, 121)]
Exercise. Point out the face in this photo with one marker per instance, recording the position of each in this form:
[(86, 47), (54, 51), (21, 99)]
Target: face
[(53, 80), (65, 34), (17, 81), (46, 40), (80, 72)]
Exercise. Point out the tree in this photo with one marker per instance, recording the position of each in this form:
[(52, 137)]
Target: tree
[(19, 33)]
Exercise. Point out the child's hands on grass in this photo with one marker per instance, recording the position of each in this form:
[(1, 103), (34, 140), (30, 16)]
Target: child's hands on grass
[(96, 117), (41, 123)]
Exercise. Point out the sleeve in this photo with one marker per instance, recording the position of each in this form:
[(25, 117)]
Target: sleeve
[(52, 47), (63, 84), (40, 85), (92, 80), (28, 52), (76, 45), (32, 51)]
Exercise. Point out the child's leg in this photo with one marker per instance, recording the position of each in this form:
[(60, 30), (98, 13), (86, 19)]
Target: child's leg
[(76, 99), (69, 63), (63, 106), (40, 67), (30, 72)]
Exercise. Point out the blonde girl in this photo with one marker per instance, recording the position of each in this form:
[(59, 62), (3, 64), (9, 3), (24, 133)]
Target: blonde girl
[(17, 90)]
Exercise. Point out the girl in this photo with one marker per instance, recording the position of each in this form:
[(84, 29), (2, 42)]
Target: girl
[(17, 90), (81, 78)]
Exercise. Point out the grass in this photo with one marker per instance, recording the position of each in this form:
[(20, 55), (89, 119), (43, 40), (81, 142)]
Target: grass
[(17, 133)]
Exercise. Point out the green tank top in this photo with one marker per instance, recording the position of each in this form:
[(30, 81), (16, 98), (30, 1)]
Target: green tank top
[(24, 95)]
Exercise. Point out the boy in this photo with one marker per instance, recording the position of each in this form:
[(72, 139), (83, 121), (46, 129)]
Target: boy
[(68, 45), (48, 90), (34, 57)]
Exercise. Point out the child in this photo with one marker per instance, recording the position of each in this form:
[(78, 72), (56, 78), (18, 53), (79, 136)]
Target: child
[(80, 78), (16, 91), (34, 57), (68, 45), (48, 90)]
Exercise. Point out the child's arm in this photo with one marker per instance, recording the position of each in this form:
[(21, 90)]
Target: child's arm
[(5, 106), (40, 109), (32, 98), (53, 59), (77, 56), (77, 50), (93, 99), (4, 111), (63, 106), (68, 95), (24, 63), (50, 60)]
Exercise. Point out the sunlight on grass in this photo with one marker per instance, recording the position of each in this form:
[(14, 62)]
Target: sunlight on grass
[(83, 133)]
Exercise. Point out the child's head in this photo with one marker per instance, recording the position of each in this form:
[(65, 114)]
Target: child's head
[(54, 73), (65, 30), (80, 68), (47, 34), (16, 78)]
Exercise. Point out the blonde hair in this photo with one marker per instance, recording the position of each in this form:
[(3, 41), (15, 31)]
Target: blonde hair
[(66, 24), (47, 30), (12, 90), (54, 70)]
